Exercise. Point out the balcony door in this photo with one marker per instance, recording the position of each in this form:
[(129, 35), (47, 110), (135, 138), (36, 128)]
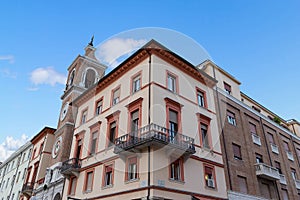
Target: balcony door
[(173, 124), (79, 149), (134, 123)]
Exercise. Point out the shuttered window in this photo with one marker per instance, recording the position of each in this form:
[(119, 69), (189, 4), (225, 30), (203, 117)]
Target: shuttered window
[(242, 183)]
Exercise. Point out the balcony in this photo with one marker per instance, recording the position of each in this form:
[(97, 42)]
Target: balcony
[(282, 179), (27, 189), (297, 183), (266, 171), (290, 155), (274, 148), (256, 139), (154, 135), (70, 167)]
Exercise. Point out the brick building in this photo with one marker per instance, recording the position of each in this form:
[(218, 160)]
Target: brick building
[(261, 150)]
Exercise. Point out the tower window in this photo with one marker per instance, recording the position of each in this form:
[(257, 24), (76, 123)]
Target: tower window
[(89, 78)]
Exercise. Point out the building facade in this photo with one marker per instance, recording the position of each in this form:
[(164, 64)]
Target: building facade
[(38, 164), (261, 150), (13, 171), (147, 130)]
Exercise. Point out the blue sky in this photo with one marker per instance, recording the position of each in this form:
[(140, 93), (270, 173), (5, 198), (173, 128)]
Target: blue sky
[(256, 41)]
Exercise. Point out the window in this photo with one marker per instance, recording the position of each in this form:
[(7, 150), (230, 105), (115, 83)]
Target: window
[(204, 136), (136, 83), (271, 138), (41, 148), (209, 176), (29, 154), (278, 167), (108, 175), (99, 105), (132, 172), (24, 172), (134, 123), (89, 78), (89, 181), (172, 83), (258, 158), (242, 182), (231, 118), (79, 147), (18, 176), (285, 194), (33, 155), (83, 117), (72, 188), (201, 98), (294, 174), (112, 128), (173, 124), (7, 182), (298, 152), (112, 133), (286, 146), (93, 143), (72, 77), (227, 88), (237, 151), (116, 96), (252, 128), (176, 170)]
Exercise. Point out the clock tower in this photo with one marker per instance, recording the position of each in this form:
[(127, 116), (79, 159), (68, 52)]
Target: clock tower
[(84, 72)]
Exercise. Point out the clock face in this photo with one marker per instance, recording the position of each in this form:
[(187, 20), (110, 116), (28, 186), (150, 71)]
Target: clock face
[(56, 147), (64, 111)]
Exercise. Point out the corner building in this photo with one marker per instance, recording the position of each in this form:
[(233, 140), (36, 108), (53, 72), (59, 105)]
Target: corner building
[(261, 150), (147, 130)]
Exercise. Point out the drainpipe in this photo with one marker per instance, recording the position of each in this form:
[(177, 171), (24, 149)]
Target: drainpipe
[(269, 155), (149, 121), (222, 133)]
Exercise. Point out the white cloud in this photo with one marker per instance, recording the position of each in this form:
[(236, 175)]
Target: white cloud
[(115, 50), (48, 76), (9, 58), (8, 73), (10, 145)]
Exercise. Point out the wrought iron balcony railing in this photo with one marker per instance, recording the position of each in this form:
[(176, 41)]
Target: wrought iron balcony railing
[(153, 134), (70, 167)]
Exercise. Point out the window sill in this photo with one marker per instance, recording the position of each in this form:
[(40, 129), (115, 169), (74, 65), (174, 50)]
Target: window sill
[(211, 188), (238, 159), (176, 181), (107, 186), (132, 181), (87, 191)]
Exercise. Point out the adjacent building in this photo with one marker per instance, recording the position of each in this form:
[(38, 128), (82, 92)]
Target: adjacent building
[(261, 150), (38, 164), (13, 171)]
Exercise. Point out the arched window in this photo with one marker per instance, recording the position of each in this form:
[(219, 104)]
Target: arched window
[(57, 197), (90, 76), (72, 78)]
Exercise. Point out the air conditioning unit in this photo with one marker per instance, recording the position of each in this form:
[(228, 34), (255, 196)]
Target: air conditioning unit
[(211, 183)]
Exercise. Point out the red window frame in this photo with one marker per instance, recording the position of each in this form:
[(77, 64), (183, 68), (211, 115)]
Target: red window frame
[(131, 160), (209, 169), (179, 162)]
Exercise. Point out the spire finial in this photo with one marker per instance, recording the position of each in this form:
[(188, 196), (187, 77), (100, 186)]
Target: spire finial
[(91, 42)]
